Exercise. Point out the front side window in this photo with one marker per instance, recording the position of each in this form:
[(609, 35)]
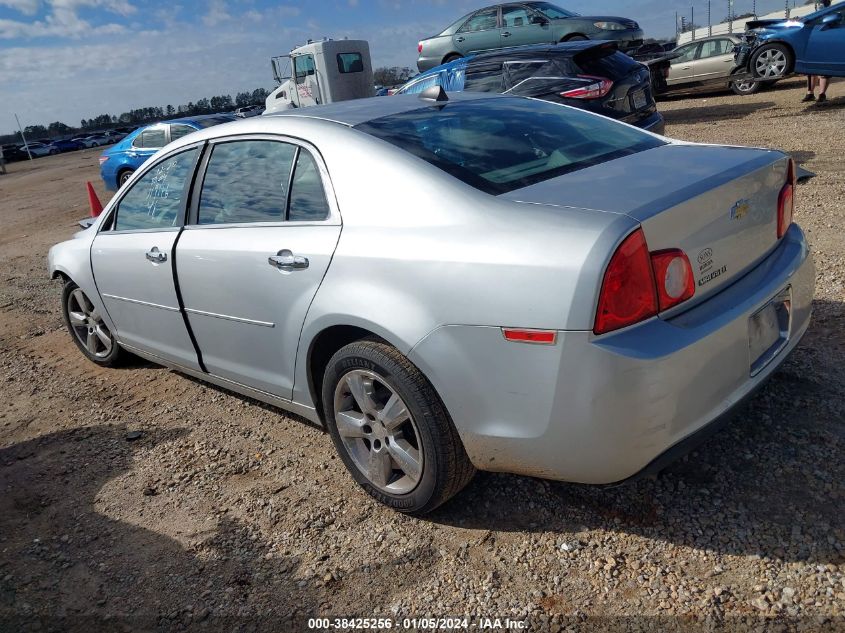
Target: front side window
[(246, 181), (151, 138), (686, 54), (482, 21), (544, 140), (303, 66), (350, 63), (155, 200)]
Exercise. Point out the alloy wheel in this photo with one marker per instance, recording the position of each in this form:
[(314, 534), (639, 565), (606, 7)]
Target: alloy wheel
[(88, 326), (771, 64), (378, 432)]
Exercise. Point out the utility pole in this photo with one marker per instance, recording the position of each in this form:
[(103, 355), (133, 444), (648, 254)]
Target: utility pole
[(709, 20), (730, 16), (23, 136), (692, 22)]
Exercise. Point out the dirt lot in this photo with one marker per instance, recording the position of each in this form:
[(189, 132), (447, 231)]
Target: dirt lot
[(228, 515)]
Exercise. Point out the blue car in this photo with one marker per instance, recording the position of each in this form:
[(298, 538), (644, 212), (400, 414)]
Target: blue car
[(67, 145), (812, 45), (120, 161), (588, 75)]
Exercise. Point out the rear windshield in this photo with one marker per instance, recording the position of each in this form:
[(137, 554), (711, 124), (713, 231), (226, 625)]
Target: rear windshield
[(503, 144)]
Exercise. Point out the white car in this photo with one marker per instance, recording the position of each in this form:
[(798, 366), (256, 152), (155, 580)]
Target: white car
[(249, 111), (41, 149)]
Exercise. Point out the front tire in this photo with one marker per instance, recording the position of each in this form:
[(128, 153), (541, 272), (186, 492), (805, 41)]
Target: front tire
[(772, 62), (87, 328), (391, 430)]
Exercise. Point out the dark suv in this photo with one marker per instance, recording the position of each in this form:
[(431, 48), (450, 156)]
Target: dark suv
[(592, 76)]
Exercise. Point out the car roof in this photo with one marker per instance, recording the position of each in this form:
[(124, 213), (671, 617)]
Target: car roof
[(710, 38), (359, 111)]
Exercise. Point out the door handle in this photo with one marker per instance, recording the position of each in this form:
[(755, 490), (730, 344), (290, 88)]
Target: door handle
[(156, 256), (460, 39), (506, 34), (286, 260)]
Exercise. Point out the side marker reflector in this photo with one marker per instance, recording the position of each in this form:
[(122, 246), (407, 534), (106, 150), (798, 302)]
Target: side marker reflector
[(538, 337)]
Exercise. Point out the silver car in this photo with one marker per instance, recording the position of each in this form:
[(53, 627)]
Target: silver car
[(708, 65), (452, 283)]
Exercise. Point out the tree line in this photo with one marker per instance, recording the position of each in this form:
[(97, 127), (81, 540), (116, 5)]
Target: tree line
[(140, 116)]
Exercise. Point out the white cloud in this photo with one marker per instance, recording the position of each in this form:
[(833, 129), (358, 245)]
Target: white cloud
[(28, 7), (217, 13), (63, 20)]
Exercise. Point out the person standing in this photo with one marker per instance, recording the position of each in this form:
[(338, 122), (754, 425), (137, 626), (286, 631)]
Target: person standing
[(823, 82)]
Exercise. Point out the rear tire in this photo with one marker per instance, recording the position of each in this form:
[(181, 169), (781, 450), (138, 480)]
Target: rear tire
[(772, 62), (87, 328), (575, 38), (744, 88), (391, 430), (123, 176), (451, 58)]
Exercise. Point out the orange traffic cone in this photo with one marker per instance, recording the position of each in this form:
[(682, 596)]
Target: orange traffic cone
[(94, 201)]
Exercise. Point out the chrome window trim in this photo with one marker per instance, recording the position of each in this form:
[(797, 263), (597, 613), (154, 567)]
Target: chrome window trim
[(334, 218), (152, 163)]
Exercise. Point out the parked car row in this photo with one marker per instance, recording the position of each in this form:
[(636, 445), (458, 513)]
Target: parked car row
[(47, 147)]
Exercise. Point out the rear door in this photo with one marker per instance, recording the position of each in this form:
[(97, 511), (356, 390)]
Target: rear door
[(518, 28), (148, 142), (481, 32), (261, 237), (715, 61), (132, 259)]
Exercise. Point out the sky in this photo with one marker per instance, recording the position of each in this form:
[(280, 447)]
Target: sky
[(65, 60)]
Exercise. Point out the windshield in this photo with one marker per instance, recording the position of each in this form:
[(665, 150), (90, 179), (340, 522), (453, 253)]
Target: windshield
[(499, 145), (551, 11)]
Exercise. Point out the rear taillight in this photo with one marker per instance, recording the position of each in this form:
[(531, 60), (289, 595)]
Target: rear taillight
[(595, 90), (786, 201), (103, 159), (673, 278), (419, 47), (628, 294), (638, 285)]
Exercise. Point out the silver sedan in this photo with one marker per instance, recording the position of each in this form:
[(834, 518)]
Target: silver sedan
[(452, 283)]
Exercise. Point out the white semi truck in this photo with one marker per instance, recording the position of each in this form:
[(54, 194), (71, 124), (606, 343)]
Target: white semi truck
[(320, 72)]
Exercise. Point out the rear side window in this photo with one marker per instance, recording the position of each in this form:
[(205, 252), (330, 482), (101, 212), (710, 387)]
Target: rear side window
[(543, 140), (155, 200), (307, 196), (606, 63), (484, 77), (246, 181), (178, 131), (152, 138), (350, 63), (482, 21), (261, 181)]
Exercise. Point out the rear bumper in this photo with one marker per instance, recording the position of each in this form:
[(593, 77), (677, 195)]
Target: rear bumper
[(654, 123), (599, 410)]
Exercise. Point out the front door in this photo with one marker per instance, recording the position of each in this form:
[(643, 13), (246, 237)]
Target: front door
[(306, 80), (253, 257), (682, 69), (825, 53), (132, 259), (480, 32), (518, 29)]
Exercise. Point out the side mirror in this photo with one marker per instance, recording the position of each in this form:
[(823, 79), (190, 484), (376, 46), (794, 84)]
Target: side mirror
[(829, 21)]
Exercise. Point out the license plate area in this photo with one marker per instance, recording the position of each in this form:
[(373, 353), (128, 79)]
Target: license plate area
[(769, 330), (639, 99)]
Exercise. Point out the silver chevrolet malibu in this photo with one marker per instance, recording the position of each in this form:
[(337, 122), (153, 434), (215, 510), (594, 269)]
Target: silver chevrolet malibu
[(451, 283)]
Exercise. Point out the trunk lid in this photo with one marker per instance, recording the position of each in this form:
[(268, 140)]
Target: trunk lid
[(717, 204)]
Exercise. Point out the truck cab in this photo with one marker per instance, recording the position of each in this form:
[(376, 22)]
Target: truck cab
[(321, 72)]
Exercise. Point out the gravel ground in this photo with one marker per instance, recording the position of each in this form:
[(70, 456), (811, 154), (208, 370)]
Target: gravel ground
[(229, 515)]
